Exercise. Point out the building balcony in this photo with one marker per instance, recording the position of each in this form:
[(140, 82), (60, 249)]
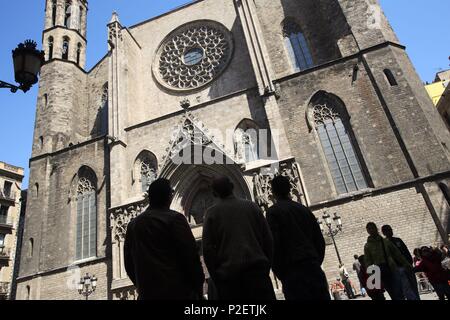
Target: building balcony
[(4, 290), (5, 255), (7, 196)]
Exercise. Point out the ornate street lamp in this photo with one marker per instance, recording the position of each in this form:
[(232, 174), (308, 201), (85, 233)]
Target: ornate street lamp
[(27, 63), (87, 286), (334, 226)]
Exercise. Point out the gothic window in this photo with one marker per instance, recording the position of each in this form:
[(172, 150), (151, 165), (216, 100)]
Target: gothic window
[(50, 48), (54, 7), (79, 53), (68, 14), (297, 46), (390, 77), (246, 141), (65, 49), (335, 137), (146, 169), (86, 235)]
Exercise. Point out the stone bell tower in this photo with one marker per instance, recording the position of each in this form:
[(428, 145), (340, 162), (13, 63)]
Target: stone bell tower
[(65, 30), (61, 107)]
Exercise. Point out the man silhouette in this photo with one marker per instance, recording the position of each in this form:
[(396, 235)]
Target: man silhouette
[(161, 256), (299, 246), (237, 246), (407, 276)]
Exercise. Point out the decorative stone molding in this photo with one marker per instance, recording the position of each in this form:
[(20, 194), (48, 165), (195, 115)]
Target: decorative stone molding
[(121, 217), (263, 190), (128, 294), (193, 55)]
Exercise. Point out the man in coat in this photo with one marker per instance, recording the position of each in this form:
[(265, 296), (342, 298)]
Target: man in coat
[(299, 246), (237, 246), (161, 255)]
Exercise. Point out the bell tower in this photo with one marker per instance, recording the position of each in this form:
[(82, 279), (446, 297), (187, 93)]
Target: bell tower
[(61, 116), (65, 30)]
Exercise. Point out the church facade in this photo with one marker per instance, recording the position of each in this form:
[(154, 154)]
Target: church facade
[(320, 91)]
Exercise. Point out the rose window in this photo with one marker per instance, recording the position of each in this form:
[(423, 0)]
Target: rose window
[(193, 55)]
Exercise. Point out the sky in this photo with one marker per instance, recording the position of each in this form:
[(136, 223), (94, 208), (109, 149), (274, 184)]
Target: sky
[(422, 26)]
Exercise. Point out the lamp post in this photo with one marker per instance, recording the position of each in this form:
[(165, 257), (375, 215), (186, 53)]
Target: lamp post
[(87, 286), (27, 63), (333, 227)]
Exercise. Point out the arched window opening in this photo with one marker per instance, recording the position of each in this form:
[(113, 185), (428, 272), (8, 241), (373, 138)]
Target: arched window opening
[(31, 248), (54, 7), (80, 18), (79, 53), (28, 292), (65, 49), (246, 141), (36, 190), (297, 46), (146, 169), (68, 14), (41, 142), (390, 77), (50, 48), (86, 235), (335, 135)]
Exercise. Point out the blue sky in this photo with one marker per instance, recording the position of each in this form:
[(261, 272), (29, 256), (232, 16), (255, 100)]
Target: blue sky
[(421, 25)]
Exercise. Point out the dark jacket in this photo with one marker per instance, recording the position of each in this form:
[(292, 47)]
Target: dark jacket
[(378, 249), (161, 257), (401, 246), (297, 237), (236, 239)]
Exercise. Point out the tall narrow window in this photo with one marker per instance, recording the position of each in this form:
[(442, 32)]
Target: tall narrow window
[(68, 14), (79, 53), (3, 214), (335, 136), (80, 18), (86, 241), (7, 188), (50, 48), (2, 240), (297, 46), (54, 7), (246, 141), (31, 248), (36, 190), (390, 77), (65, 49), (28, 293)]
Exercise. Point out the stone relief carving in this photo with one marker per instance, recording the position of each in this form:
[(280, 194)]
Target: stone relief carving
[(193, 56), (262, 188), (322, 112), (120, 218)]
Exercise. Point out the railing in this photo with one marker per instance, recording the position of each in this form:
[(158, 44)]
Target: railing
[(7, 195), (4, 288)]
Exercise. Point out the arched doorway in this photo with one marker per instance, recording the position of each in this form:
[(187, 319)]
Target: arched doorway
[(193, 194)]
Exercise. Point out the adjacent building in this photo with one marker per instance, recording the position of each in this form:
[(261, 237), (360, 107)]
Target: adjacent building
[(10, 207), (437, 88), (347, 116)]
